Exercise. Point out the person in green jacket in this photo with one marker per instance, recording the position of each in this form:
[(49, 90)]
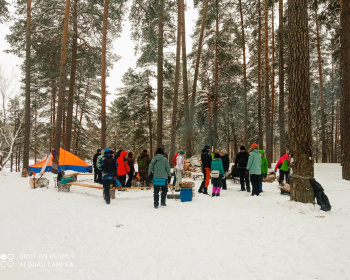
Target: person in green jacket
[(161, 173), (216, 164), (254, 167), (264, 167)]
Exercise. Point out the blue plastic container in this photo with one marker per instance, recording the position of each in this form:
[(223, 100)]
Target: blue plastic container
[(186, 195)]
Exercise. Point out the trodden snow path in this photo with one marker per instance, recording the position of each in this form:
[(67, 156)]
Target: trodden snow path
[(57, 235)]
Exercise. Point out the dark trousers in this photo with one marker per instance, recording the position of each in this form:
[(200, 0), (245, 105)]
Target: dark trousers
[(122, 180), (106, 188), (129, 182), (97, 176), (174, 182), (156, 194), (224, 185), (255, 179), (282, 175), (262, 176), (143, 178), (244, 177)]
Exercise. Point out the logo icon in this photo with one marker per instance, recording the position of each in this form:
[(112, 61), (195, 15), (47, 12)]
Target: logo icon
[(7, 260)]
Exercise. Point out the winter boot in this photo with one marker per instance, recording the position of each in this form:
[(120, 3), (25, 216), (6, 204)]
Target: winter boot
[(205, 191), (201, 188), (213, 194), (217, 194)]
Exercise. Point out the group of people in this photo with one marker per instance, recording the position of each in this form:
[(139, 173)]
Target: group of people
[(111, 169)]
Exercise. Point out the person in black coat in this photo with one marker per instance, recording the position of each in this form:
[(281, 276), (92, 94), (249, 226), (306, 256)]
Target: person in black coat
[(241, 162), (206, 165), (226, 164), (97, 172)]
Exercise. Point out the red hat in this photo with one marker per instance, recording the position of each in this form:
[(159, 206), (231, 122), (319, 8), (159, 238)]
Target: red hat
[(254, 145)]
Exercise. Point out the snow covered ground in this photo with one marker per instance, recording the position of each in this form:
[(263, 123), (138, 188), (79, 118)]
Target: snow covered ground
[(45, 234)]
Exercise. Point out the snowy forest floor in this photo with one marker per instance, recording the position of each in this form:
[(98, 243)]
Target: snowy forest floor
[(75, 235)]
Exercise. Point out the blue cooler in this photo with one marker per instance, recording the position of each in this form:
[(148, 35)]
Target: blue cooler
[(186, 195)]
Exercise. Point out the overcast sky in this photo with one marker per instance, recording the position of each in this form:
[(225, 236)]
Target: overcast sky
[(123, 47)]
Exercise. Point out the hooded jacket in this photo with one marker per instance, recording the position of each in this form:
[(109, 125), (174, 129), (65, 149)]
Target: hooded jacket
[(94, 160), (216, 164), (264, 163), (254, 162), (206, 159), (242, 159), (160, 167), (284, 160), (123, 167), (180, 162), (225, 162)]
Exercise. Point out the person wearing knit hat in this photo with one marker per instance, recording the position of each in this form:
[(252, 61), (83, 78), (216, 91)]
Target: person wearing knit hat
[(241, 165), (179, 169), (226, 165), (206, 165), (254, 168)]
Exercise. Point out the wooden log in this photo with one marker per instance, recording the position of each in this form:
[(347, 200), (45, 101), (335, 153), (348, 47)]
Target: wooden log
[(24, 173), (64, 188), (42, 183), (99, 187)]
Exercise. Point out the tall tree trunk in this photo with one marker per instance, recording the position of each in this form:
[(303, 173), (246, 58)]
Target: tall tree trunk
[(245, 123), (216, 85), (345, 85), (281, 80), (177, 81), (160, 74), (266, 80), (300, 107), (332, 126), (261, 141), (150, 121), (323, 121), (196, 69), (35, 132), (61, 88), (272, 85), (73, 72), (103, 75), (188, 130), (337, 132), (27, 96)]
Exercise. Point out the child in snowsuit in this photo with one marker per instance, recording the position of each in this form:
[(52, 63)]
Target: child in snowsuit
[(216, 164), (264, 168)]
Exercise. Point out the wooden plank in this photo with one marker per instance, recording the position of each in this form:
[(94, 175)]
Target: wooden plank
[(101, 188)]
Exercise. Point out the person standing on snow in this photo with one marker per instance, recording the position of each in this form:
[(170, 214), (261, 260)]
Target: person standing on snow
[(161, 173), (241, 165), (108, 167), (178, 169), (216, 164), (130, 162), (206, 165), (264, 167), (283, 165), (143, 162), (122, 168), (254, 168), (226, 164), (97, 172)]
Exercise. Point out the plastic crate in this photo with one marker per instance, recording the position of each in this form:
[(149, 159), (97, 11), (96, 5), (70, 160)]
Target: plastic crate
[(186, 195)]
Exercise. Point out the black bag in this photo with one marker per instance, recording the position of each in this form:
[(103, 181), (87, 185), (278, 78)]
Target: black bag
[(109, 165), (320, 196)]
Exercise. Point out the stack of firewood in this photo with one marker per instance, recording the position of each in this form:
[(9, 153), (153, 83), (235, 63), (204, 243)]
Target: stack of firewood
[(270, 177), (186, 185)]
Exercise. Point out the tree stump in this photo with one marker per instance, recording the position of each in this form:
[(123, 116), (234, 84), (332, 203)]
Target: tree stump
[(301, 189), (111, 194), (24, 173), (64, 188), (42, 183)]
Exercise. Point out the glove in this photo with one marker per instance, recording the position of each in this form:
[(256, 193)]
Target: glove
[(169, 179), (247, 171)]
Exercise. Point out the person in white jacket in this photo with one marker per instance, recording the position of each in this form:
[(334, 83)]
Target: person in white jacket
[(180, 162)]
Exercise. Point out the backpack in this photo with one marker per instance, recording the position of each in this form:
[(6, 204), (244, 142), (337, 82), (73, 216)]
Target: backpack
[(141, 162), (109, 165)]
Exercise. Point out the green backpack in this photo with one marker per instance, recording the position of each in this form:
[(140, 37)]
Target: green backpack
[(66, 180)]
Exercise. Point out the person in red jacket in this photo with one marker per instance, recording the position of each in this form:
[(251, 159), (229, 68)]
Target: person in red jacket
[(123, 167)]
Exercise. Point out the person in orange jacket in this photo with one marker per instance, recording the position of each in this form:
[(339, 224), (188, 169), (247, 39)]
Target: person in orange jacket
[(123, 167)]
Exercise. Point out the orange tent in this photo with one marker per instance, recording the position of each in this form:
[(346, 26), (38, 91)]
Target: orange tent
[(67, 161)]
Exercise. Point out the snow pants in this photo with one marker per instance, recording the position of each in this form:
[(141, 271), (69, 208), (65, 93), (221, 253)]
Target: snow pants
[(244, 177), (255, 179), (163, 195), (106, 188)]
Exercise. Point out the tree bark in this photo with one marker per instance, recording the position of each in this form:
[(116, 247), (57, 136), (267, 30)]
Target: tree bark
[(27, 92), (69, 120), (272, 86), (176, 86), (300, 107), (61, 89), (323, 121), (345, 85), (245, 123), (261, 141), (216, 85), (160, 74), (196, 69), (281, 80), (266, 80), (103, 75)]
